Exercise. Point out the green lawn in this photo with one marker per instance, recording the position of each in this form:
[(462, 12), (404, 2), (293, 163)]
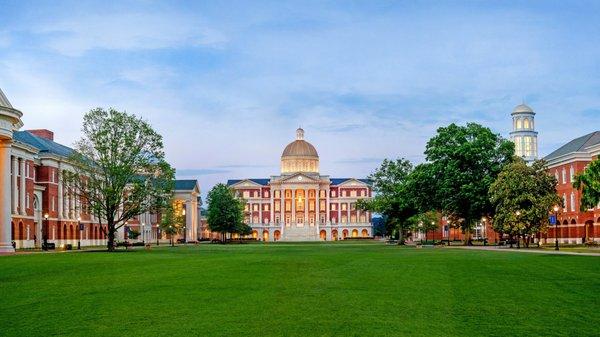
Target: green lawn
[(299, 289)]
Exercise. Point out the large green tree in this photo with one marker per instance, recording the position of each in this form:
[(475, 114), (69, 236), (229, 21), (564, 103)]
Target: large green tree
[(391, 198), (588, 182), (119, 169), (464, 162), (523, 197), (225, 212)]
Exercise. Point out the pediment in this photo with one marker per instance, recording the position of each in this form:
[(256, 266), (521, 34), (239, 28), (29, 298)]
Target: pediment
[(246, 183), (298, 178), (353, 182)]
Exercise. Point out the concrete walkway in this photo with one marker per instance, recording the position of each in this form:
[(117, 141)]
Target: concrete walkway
[(524, 250)]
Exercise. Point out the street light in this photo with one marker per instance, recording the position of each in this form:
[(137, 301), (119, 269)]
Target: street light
[(483, 220), (80, 228), (157, 234), (45, 234), (518, 213), (556, 208), (184, 231)]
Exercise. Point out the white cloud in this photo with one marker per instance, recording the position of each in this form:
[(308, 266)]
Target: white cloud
[(75, 35)]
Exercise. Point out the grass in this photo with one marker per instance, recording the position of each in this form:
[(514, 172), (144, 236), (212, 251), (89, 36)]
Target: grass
[(353, 289)]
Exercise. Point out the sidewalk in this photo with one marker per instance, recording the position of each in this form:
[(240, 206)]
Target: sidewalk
[(523, 250)]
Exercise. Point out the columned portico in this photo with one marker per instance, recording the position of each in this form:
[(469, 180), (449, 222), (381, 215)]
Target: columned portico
[(10, 120), (296, 196)]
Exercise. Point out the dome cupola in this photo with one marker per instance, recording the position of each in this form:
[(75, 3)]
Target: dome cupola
[(299, 156)]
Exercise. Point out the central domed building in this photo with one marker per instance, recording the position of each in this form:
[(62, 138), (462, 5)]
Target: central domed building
[(300, 204), (299, 156)]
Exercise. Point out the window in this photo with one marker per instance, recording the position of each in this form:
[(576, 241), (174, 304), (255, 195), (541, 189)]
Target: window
[(571, 173), (333, 194), (52, 175), (322, 205), (267, 207), (353, 193), (277, 206), (333, 207), (311, 206), (556, 176), (266, 194), (519, 123), (344, 206), (322, 194), (288, 206), (277, 194), (564, 176), (565, 202), (27, 169), (572, 202), (526, 123), (28, 201), (246, 194)]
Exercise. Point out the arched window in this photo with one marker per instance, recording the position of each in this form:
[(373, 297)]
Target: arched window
[(571, 173), (572, 202), (565, 202), (526, 123), (519, 124)]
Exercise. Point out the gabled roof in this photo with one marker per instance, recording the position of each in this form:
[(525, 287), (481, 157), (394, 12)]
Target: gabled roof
[(185, 185), (259, 181), (576, 145), (339, 181), (42, 144)]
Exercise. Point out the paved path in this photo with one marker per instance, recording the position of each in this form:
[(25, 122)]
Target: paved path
[(524, 250)]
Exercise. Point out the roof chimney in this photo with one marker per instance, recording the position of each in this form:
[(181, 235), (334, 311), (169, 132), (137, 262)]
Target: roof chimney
[(43, 133)]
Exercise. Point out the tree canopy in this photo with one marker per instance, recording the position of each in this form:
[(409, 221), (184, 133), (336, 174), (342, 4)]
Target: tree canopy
[(391, 200), (588, 182), (523, 197), (119, 169), (463, 163), (225, 212)]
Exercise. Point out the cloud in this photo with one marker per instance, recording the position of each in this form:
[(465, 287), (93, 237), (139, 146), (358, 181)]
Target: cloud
[(199, 172), (76, 35)]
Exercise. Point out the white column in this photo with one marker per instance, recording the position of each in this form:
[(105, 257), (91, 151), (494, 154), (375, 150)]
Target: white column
[(70, 200), (282, 208), (348, 210), (317, 208), (5, 205), (339, 206), (271, 207), (15, 188), (294, 206), (305, 206), (188, 221), (357, 215), (22, 189), (60, 193), (327, 206)]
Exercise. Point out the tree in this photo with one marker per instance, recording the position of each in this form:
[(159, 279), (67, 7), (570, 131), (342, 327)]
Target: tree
[(465, 161), (522, 197), (588, 182), (391, 199), (133, 234), (172, 222), (119, 169), (225, 212), (424, 222)]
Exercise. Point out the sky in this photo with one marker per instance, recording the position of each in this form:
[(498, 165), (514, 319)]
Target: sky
[(228, 83)]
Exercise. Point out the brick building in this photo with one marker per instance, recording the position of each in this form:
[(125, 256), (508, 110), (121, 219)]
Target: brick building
[(300, 204), (35, 203)]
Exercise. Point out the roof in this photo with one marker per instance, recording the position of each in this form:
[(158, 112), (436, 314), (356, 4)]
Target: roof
[(338, 181), (42, 144), (576, 145), (522, 108), (4, 101), (300, 148), (260, 181), (185, 185)]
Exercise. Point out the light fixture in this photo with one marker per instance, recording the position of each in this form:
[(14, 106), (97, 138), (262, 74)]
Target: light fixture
[(556, 208)]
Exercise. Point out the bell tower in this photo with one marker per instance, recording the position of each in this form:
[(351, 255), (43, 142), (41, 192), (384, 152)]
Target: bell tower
[(524, 135)]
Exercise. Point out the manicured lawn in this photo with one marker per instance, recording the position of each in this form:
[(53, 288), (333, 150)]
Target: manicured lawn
[(299, 289)]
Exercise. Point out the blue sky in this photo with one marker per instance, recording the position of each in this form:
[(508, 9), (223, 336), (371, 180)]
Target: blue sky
[(227, 83)]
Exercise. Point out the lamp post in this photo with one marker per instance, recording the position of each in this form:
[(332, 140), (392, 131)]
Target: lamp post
[(157, 234), (79, 228), (45, 233), (556, 228), (483, 221), (184, 230), (143, 234), (518, 213)]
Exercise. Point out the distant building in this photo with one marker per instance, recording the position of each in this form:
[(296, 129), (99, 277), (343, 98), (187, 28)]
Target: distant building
[(300, 204), (575, 226), (524, 135), (35, 203)]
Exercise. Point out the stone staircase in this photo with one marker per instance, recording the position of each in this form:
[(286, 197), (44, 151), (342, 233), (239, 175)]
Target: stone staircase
[(306, 233)]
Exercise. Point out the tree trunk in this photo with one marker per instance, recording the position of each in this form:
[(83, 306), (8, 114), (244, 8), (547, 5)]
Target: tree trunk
[(400, 237), (111, 236)]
